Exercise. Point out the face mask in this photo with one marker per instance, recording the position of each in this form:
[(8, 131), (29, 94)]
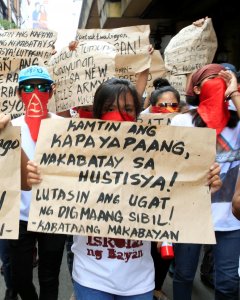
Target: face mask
[(212, 107), (85, 113), (117, 116), (36, 110), (164, 110)]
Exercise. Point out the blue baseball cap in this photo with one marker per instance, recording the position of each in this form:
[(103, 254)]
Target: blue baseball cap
[(34, 72), (229, 67)]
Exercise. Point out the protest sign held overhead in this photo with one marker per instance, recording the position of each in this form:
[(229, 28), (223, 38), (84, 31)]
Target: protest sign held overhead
[(179, 82), (20, 49), (157, 69), (78, 73), (131, 43), (190, 49), (123, 180), (10, 191)]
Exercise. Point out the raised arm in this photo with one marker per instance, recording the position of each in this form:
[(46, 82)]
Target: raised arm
[(232, 88), (142, 77)]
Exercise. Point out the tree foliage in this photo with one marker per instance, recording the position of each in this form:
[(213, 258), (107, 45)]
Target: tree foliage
[(5, 24)]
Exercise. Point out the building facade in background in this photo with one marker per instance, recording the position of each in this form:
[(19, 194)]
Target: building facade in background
[(166, 18), (10, 11)]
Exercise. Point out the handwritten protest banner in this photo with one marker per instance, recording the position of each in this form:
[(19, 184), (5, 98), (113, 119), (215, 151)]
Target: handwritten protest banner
[(123, 180), (78, 73), (192, 48), (179, 82), (156, 119), (20, 49), (131, 43), (157, 69), (29, 43), (10, 150)]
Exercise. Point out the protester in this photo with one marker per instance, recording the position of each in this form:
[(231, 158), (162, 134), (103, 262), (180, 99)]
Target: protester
[(115, 99), (157, 84), (208, 89), (35, 90), (207, 264), (165, 99)]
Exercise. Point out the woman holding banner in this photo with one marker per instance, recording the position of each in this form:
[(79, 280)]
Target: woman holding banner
[(104, 276), (210, 88)]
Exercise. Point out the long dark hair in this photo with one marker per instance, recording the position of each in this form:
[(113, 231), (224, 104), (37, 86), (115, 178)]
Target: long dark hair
[(111, 90), (198, 121)]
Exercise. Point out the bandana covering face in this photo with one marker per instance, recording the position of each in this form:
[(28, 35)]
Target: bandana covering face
[(85, 113), (117, 116), (36, 110), (164, 110), (212, 108), (199, 75)]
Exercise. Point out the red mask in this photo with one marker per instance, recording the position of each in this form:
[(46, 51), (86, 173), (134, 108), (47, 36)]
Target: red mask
[(117, 116), (212, 108), (36, 110), (164, 110), (85, 113)]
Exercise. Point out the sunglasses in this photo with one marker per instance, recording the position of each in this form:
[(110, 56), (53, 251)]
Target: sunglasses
[(165, 104), (29, 88)]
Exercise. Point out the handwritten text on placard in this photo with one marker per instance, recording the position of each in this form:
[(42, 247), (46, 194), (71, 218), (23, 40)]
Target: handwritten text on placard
[(123, 180)]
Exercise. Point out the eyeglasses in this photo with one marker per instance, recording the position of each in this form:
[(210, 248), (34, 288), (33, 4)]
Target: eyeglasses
[(29, 88), (165, 104)]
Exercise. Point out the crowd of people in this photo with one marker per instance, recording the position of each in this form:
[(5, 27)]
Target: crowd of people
[(213, 101)]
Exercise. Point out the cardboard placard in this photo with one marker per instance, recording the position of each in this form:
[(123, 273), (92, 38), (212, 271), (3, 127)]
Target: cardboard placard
[(10, 191), (192, 48), (27, 43), (131, 44), (123, 180), (78, 73)]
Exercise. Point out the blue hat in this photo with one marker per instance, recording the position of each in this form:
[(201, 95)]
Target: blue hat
[(229, 67), (34, 72)]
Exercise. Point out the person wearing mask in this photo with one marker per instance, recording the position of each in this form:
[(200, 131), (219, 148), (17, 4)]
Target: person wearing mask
[(157, 84), (35, 89), (164, 99), (209, 90), (114, 100)]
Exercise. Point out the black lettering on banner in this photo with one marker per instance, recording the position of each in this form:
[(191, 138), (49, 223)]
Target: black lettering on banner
[(141, 129), (46, 210), (2, 229), (68, 212), (108, 198), (2, 198), (5, 146)]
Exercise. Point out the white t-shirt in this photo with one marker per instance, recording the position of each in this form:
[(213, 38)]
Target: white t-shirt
[(28, 145), (223, 218), (146, 111), (116, 266)]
